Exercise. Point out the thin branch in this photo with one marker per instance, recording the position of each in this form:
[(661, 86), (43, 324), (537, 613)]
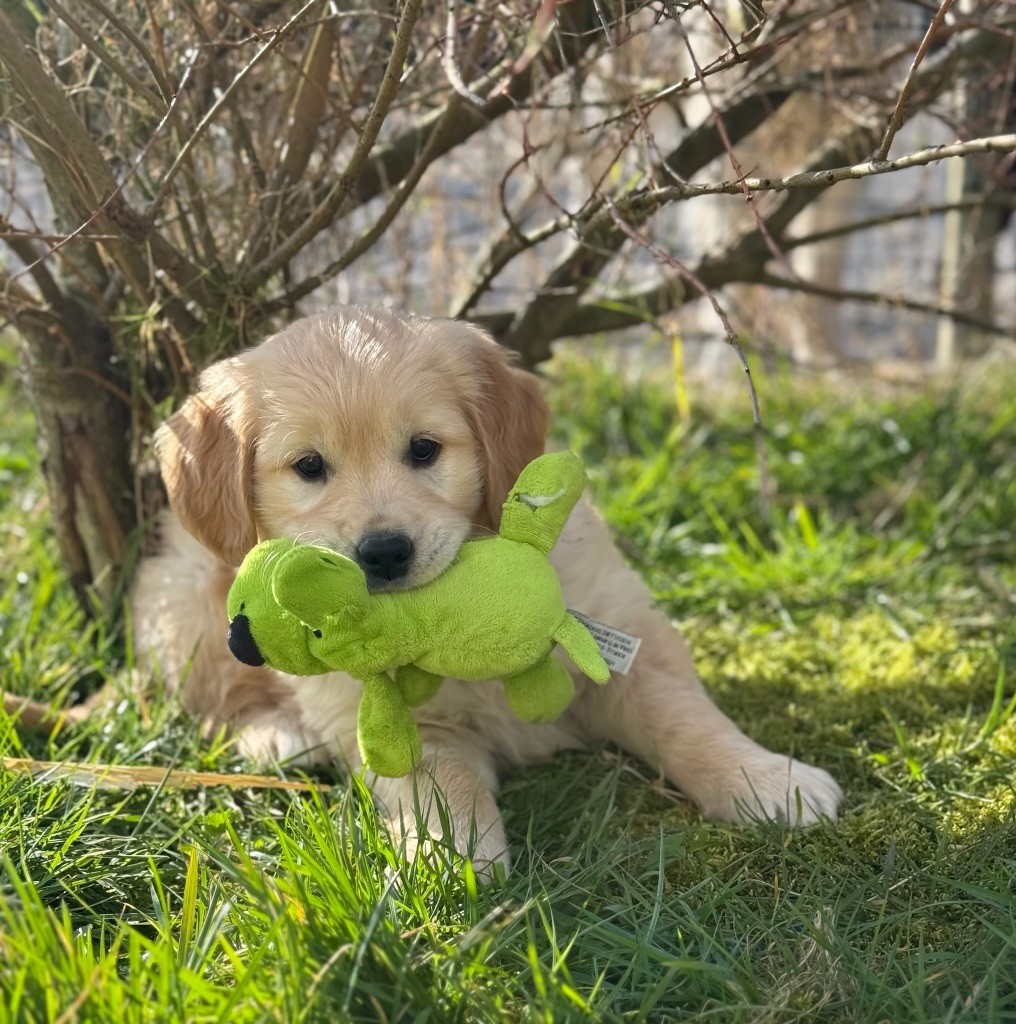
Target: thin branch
[(81, 182), (896, 119), (896, 301), (598, 237), (395, 160), (157, 104), (372, 234), (910, 213), (304, 118), (668, 260), (164, 84), (451, 68), (213, 111), (744, 258), (22, 244), (329, 208), (100, 177), (15, 299), (812, 179), (549, 314), (727, 144)]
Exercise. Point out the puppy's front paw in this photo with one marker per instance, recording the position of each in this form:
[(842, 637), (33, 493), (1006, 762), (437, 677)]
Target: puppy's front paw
[(778, 788), (484, 850)]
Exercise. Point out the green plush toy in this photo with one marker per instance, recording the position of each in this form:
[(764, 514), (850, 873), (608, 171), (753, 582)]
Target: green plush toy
[(495, 613)]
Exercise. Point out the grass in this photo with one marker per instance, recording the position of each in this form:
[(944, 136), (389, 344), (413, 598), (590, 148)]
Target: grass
[(868, 628)]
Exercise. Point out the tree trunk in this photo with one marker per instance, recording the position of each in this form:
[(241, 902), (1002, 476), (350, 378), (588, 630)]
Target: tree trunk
[(82, 408), (83, 417)]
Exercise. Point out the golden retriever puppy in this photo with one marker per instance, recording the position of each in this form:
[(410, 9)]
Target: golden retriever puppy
[(393, 439)]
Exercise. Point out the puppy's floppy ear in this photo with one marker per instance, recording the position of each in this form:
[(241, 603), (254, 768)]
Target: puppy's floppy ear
[(510, 420), (206, 454)]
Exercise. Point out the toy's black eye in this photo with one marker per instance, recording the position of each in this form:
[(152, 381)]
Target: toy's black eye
[(310, 467), (423, 450)]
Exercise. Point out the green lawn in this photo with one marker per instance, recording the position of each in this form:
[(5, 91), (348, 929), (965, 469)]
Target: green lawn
[(868, 628)]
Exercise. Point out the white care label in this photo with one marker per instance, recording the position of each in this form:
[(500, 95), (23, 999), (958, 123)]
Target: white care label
[(617, 647)]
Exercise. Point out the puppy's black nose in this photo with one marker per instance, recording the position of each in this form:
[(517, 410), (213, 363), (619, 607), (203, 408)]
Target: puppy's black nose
[(385, 555), (241, 642)]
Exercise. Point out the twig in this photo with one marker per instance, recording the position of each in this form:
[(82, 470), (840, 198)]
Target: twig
[(336, 196), (220, 102), (117, 192), (597, 237), (811, 179), (122, 776), (883, 299), (394, 160), (896, 119), (165, 86), (372, 234), (664, 257), (728, 145), (910, 213), (116, 66), (451, 69)]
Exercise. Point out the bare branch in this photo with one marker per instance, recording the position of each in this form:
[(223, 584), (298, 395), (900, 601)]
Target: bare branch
[(116, 66), (896, 120), (448, 61), (896, 301), (78, 174), (894, 216), (812, 179), (394, 161), (165, 86), (304, 119), (599, 238), (548, 314), (333, 201), (730, 336), (217, 106), (375, 231)]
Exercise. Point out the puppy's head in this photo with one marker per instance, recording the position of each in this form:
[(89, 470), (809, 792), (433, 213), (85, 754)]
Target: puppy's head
[(388, 438)]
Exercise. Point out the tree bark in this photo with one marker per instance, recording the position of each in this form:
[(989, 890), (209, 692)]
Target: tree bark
[(68, 356), (83, 438)]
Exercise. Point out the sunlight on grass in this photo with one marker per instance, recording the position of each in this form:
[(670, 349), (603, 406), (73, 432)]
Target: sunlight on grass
[(869, 628)]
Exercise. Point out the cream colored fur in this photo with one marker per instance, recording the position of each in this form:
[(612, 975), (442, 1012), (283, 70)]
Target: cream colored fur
[(356, 385)]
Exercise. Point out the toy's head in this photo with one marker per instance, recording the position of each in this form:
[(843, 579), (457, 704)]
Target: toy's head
[(282, 595), (543, 497)]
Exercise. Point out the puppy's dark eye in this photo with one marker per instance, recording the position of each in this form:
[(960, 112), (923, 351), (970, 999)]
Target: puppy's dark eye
[(310, 467), (423, 450)]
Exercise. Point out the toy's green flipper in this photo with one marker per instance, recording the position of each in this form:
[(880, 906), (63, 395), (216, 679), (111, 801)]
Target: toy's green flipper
[(540, 693), (580, 646), (388, 737), (539, 504)]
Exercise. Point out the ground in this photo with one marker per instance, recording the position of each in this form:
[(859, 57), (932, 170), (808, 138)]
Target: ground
[(867, 628)]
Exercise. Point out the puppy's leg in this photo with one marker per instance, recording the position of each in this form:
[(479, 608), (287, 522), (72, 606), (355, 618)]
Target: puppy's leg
[(466, 782), (661, 711)]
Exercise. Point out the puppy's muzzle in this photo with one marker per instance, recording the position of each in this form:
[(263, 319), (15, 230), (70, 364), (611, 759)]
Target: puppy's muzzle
[(241, 642)]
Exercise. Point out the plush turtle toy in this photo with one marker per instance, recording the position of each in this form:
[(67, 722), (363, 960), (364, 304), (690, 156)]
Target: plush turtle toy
[(495, 613)]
